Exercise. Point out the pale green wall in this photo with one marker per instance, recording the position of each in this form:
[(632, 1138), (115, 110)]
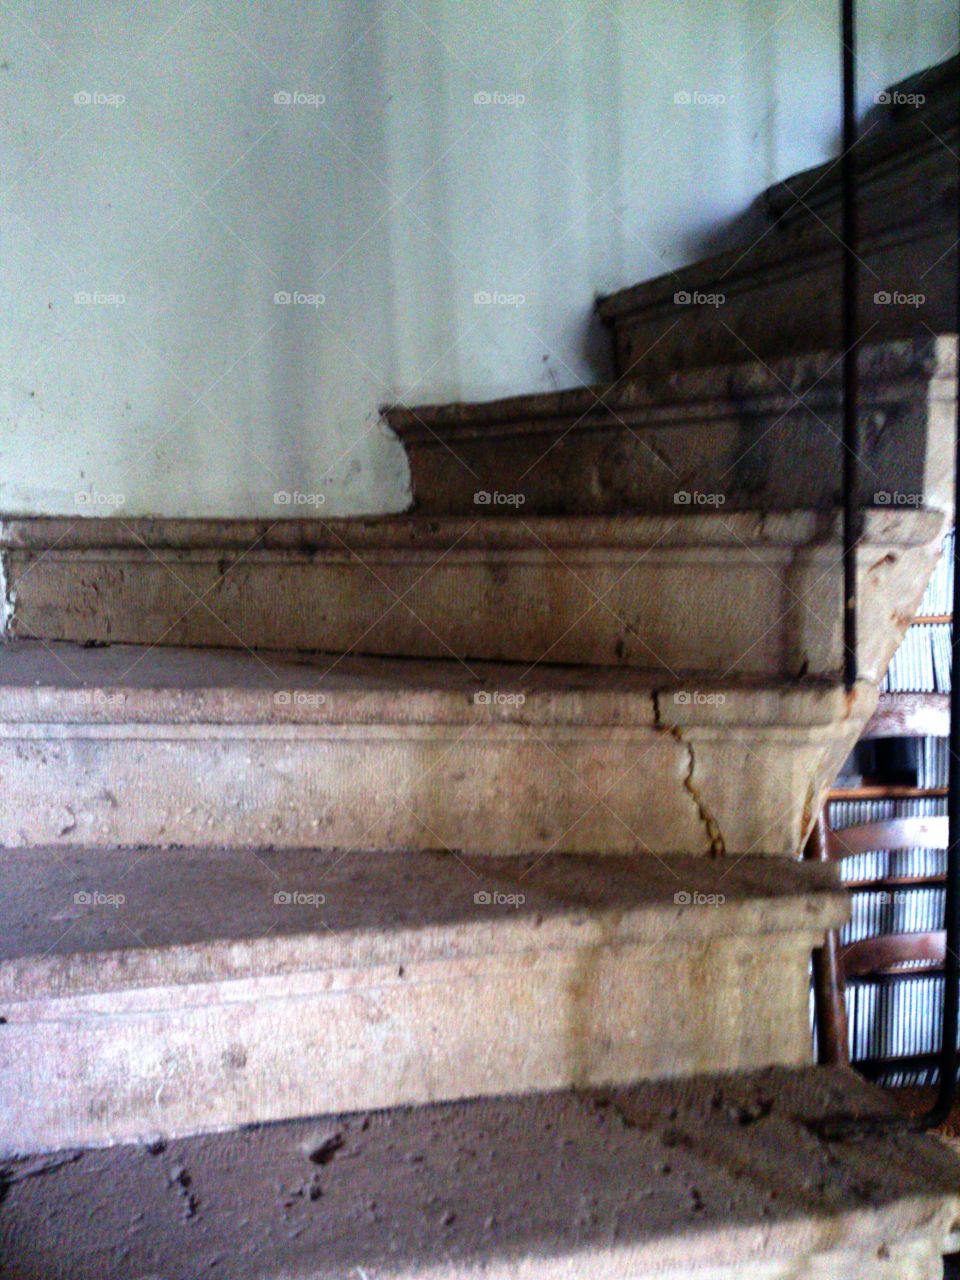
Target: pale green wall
[(198, 198)]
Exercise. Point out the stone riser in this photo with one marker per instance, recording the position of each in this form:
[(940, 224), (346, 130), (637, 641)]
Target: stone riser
[(663, 594), (509, 789), (124, 1066), (781, 298)]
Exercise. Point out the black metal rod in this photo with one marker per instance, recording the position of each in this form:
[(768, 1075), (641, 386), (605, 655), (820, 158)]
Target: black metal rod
[(947, 1088), (851, 333)]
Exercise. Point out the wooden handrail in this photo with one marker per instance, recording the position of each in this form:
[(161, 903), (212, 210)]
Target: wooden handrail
[(874, 955), (893, 833)]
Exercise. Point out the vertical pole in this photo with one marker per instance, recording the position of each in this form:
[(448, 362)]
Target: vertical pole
[(851, 334)]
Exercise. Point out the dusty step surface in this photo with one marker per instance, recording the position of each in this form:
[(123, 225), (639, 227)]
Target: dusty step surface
[(664, 592), (746, 433), (127, 745), (723, 1176), (173, 991)]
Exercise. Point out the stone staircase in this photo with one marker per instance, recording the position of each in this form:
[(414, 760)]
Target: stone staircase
[(463, 845)]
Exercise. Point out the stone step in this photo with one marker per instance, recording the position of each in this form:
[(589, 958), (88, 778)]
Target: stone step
[(166, 992), (665, 592), (723, 1177), (780, 293), (127, 745), (748, 434)]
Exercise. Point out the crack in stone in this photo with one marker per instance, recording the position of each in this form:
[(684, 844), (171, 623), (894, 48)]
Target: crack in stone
[(717, 843)]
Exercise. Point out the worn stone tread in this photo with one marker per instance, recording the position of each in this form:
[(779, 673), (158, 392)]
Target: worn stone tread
[(727, 1174), (119, 683)]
